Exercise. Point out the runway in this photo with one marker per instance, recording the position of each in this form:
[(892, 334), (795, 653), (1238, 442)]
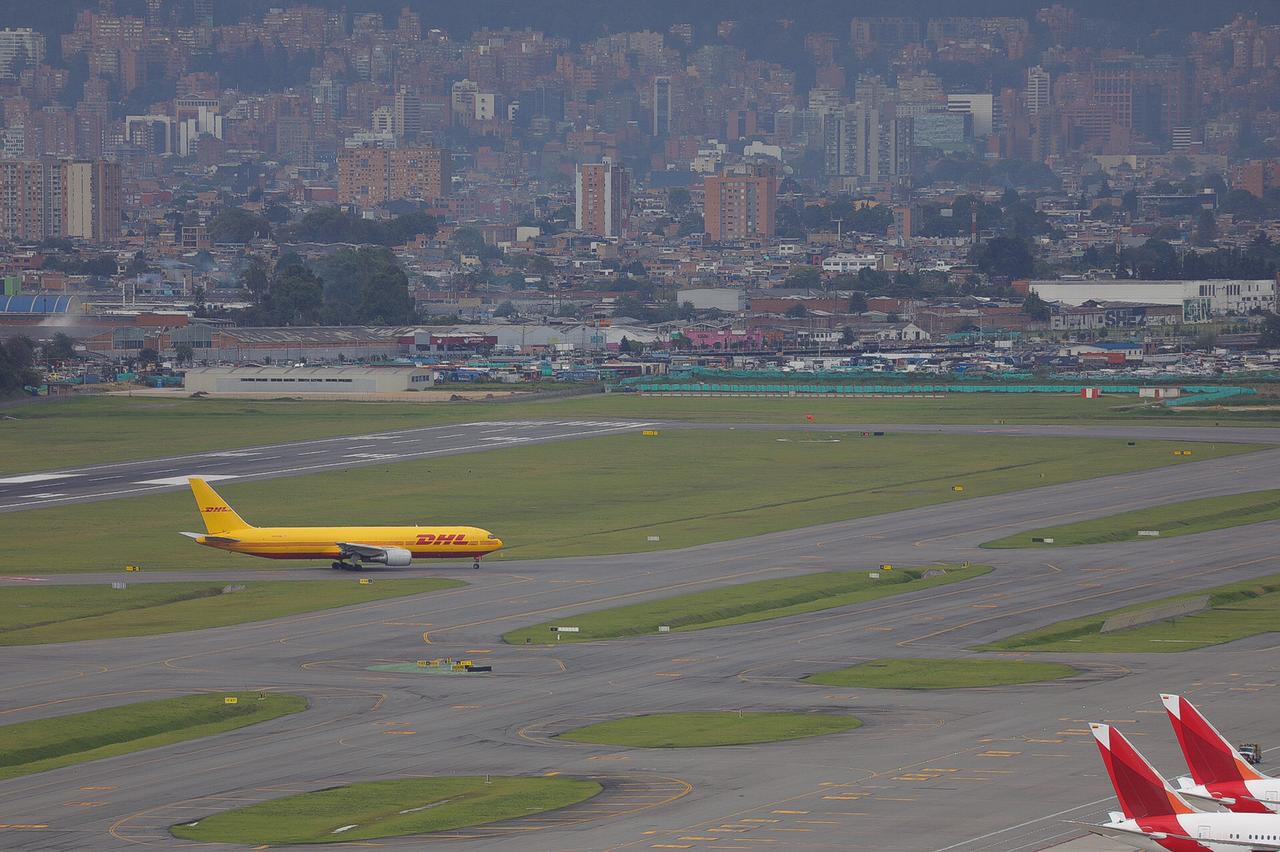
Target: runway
[(984, 769)]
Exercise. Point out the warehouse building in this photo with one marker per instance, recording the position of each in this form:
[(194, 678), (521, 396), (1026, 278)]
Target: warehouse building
[(1199, 300), (326, 380)]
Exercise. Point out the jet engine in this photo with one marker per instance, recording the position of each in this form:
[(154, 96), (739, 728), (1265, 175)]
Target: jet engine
[(395, 557)]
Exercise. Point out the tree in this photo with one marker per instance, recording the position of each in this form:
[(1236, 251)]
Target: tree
[(1009, 256), (1206, 229), (296, 296), (803, 278), (1270, 336), (848, 336), (506, 309), (61, 347), (625, 345), (185, 353), (237, 225), (857, 302), (1035, 307), (255, 278), (147, 355), (797, 311), (678, 199), (17, 360)]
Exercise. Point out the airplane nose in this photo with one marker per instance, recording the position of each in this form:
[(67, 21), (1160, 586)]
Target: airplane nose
[(497, 543)]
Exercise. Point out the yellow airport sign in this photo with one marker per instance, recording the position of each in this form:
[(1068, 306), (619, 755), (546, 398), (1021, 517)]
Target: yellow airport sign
[(957, 488), (230, 699), (365, 581), (650, 433)]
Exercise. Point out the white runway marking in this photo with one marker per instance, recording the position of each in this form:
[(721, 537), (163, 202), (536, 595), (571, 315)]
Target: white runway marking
[(34, 477), (374, 456), (182, 480), (46, 495), (234, 454)]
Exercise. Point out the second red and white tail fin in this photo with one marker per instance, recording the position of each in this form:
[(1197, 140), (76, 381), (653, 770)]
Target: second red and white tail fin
[(1142, 790), (1210, 757)]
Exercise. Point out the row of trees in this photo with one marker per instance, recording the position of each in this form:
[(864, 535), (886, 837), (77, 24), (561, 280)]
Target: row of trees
[(322, 225), (364, 286), (17, 366)]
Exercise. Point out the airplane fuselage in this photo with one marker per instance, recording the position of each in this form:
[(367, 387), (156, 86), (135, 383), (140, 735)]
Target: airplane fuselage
[(1198, 832), (322, 542), (1248, 796)]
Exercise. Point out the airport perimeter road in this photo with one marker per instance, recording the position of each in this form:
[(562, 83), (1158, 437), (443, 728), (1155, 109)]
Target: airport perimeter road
[(986, 769), (19, 492), (150, 476)]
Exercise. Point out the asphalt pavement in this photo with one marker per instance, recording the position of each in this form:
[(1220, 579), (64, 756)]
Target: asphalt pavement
[(982, 769)]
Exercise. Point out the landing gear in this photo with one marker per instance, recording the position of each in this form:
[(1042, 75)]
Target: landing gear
[(338, 566), (475, 563), (354, 565)]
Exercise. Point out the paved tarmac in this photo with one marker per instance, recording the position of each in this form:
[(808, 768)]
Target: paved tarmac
[(982, 769)]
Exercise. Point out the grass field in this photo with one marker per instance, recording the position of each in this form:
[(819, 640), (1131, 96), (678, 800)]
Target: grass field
[(741, 604), (717, 728), (34, 615), (1236, 611), (1172, 519), (596, 495), (44, 744), (387, 809), (68, 434), (940, 674)]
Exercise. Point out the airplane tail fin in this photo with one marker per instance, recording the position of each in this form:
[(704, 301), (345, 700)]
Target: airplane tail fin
[(218, 516), (1210, 757), (1142, 791)]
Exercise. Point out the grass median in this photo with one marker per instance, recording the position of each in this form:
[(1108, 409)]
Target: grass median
[(940, 674), (68, 434), (395, 808), (44, 744), (713, 728), (35, 615), (1170, 520), (743, 603), (1236, 611), (608, 494)]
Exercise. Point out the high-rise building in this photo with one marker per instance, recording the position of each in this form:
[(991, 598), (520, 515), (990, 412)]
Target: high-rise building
[(602, 199), (406, 115), (60, 198), (369, 176), (91, 200), (1037, 93), (980, 106), (20, 48), (661, 106), (740, 204)]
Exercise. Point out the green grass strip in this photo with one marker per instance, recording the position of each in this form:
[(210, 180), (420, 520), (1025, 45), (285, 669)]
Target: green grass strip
[(44, 744), (716, 728), (1172, 519), (1236, 611), (34, 615), (741, 604), (387, 809), (940, 674)]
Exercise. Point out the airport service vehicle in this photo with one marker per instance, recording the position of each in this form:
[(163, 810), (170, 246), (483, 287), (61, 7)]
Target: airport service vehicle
[(1251, 752), (350, 547), (1154, 816), (1220, 774)]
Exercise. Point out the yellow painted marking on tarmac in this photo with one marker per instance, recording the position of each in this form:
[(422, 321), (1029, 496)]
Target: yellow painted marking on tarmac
[(426, 637), (1074, 732), (22, 826), (697, 837), (97, 788), (668, 674), (789, 812), (914, 776), (760, 819), (881, 629), (932, 769), (984, 606), (1053, 741), (263, 846), (685, 660), (480, 651), (609, 757), (671, 846), (466, 707), (400, 733), (86, 804), (843, 798), (995, 753), (551, 774)]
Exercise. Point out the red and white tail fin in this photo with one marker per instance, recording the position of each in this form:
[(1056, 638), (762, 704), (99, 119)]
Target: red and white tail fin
[(1142, 790), (1210, 757)]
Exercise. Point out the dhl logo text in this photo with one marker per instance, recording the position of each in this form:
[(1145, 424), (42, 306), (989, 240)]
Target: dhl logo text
[(451, 538), (217, 508)]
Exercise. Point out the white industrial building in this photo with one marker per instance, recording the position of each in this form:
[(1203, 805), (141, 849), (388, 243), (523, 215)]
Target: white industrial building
[(845, 262), (731, 299), (1199, 299), (326, 380)]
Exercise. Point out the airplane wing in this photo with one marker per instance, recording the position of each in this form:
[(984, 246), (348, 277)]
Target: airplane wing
[(368, 551), (218, 538), (1127, 836)]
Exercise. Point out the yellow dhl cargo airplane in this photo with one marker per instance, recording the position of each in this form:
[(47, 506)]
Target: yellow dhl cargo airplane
[(351, 547)]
